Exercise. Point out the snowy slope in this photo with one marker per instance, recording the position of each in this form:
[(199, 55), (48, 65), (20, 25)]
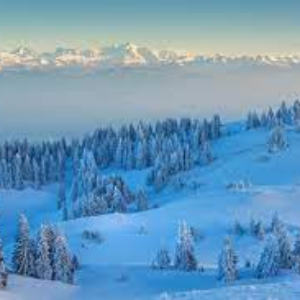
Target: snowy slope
[(118, 268), (22, 288)]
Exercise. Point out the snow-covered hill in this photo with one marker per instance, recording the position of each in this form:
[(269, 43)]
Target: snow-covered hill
[(124, 55), (118, 268)]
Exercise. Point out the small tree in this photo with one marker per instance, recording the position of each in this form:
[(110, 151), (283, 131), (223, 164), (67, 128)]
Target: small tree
[(275, 223), (227, 264), (238, 228), (284, 245), (3, 271), (43, 260), (61, 199), (162, 260), (296, 250), (258, 230), (23, 257), (142, 201), (185, 258), (277, 141), (269, 262), (63, 266)]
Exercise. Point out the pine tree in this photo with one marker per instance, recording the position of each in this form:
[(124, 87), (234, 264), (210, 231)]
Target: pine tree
[(63, 267), (277, 141), (238, 228), (257, 229), (3, 271), (43, 261), (206, 154), (284, 245), (23, 257), (296, 264), (36, 175), (50, 233), (118, 203), (185, 258), (162, 260), (296, 250), (227, 264), (18, 172), (142, 201), (269, 263), (61, 195), (65, 213), (276, 223), (75, 189)]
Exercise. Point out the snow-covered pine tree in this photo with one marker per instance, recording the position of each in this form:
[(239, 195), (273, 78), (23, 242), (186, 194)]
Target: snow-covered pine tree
[(43, 268), (227, 263), (50, 232), (276, 223), (269, 263), (185, 258), (118, 203), (258, 230), (238, 228), (63, 267), (277, 141), (36, 174), (162, 260), (74, 194), (206, 153), (65, 213), (284, 246), (61, 199), (296, 250), (296, 264), (23, 257), (142, 201), (27, 169), (75, 263), (18, 172), (3, 270)]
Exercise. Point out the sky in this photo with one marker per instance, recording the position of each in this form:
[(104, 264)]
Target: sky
[(202, 26)]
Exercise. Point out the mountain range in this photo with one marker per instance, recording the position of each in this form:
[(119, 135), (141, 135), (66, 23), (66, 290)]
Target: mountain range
[(128, 55)]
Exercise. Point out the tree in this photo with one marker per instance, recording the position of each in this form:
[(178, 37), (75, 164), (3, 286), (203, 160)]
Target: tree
[(275, 223), (277, 141), (118, 202), (227, 264), (257, 229), (185, 258), (206, 154), (43, 261), (36, 175), (269, 262), (284, 246), (74, 189), (142, 201), (61, 195), (18, 172), (296, 250), (3, 271), (238, 228), (50, 233), (23, 257), (162, 260), (63, 267)]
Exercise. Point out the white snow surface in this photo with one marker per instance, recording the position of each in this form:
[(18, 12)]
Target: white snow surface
[(119, 268)]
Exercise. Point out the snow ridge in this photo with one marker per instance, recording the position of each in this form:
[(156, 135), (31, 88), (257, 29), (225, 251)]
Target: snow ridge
[(125, 55)]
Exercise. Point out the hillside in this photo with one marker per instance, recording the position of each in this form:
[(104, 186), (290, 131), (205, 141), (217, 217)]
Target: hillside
[(118, 266)]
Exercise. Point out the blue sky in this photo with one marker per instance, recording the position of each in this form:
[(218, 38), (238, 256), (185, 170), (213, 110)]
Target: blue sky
[(204, 26)]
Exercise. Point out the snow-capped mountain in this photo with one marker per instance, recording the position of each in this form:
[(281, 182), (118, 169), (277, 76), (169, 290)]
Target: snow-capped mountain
[(128, 55)]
